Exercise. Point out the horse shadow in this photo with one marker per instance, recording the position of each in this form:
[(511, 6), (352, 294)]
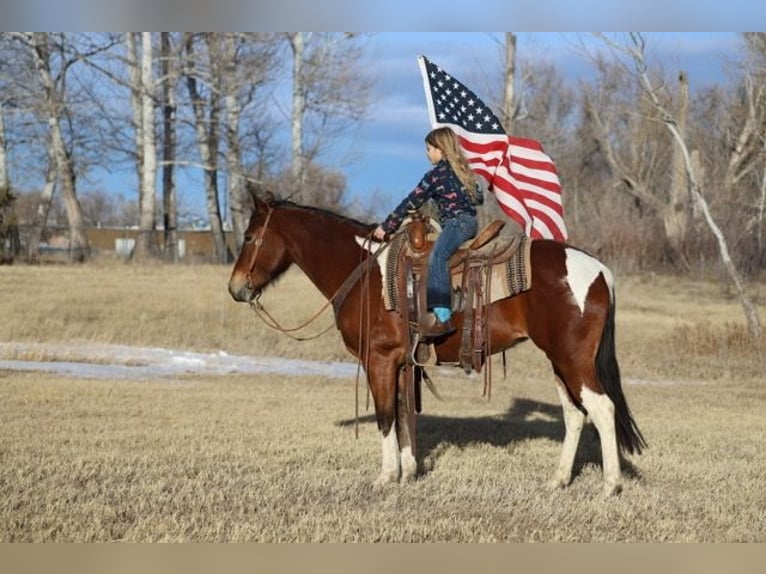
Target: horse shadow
[(526, 419)]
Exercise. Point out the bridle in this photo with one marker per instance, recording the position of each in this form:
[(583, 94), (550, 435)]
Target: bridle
[(255, 302), (257, 242), (359, 273), (336, 300)]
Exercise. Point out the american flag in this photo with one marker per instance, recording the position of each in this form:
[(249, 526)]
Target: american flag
[(520, 174)]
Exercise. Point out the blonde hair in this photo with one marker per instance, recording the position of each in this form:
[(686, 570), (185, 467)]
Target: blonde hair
[(446, 140)]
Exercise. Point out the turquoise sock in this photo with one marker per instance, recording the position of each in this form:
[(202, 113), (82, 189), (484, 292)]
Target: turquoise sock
[(443, 313)]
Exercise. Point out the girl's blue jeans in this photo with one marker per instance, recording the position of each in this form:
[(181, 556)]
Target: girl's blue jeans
[(455, 231)]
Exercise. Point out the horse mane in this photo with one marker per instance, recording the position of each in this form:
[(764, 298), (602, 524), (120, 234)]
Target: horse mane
[(364, 228), (271, 199)]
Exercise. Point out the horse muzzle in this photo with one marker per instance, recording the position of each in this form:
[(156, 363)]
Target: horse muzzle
[(242, 290)]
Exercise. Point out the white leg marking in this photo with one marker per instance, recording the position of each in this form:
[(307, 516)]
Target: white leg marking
[(573, 423), (409, 465), (389, 471), (601, 411), (582, 271)]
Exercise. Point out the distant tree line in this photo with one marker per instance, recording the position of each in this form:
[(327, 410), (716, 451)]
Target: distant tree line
[(219, 101)]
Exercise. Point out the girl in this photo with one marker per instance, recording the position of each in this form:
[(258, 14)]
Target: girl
[(453, 187)]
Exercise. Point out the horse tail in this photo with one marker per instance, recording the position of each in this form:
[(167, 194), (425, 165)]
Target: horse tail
[(628, 436)]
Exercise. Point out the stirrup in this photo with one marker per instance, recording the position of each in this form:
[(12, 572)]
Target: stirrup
[(419, 348)]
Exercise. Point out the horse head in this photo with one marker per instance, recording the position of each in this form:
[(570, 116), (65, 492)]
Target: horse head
[(263, 256)]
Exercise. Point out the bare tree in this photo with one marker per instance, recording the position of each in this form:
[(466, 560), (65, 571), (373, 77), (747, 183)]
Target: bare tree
[(5, 183), (636, 51), (8, 228), (297, 45), (756, 42), (329, 91), (234, 168), (634, 145), (43, 209), (55, 108), (146, 245), (207, 125), (746, 169), (170, 74), (248, 64), (509, 81)]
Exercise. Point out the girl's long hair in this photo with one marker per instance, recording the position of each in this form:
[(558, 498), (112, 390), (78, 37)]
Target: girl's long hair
[(445, 139)]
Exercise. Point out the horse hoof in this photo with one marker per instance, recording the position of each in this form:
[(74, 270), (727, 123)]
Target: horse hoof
[(409, 470), (556, 484), (384, 480), (408, 478), (612, 490)]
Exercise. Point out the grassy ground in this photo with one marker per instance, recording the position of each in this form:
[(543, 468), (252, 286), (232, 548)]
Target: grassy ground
[(265, 458)]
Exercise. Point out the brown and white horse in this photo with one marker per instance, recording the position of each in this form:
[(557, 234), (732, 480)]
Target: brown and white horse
[(568, 313)]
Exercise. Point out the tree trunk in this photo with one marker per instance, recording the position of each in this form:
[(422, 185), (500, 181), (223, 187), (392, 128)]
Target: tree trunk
[(79, 249), (509, 79), (135, 104), (761, 213), (238, 202), (43, 208), (4, 179), (299, 105), (207, 141), (8, 230), (170, 208), (675, 216), (146, 245)]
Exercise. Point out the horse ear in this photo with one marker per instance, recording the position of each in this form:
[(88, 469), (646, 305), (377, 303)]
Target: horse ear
[(262, 200), (252, 190)]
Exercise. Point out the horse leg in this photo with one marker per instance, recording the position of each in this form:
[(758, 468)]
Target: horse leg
[(405, 414), (601, 410), (574, 419), (383, 387), (390, 466)]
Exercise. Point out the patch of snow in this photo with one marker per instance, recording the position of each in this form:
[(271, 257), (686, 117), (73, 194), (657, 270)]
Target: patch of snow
[(139, 363)]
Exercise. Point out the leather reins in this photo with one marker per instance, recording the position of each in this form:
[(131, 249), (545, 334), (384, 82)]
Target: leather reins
[(336, 300)]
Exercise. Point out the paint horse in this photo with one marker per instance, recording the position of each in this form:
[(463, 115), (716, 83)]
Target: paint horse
[(568, 313)]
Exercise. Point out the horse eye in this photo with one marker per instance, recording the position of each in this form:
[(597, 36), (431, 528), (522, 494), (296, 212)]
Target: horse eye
[(248, 238)]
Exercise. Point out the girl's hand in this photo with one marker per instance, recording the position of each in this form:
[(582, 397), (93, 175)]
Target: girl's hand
[(379, 233)]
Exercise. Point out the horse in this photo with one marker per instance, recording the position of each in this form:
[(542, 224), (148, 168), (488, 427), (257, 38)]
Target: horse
[(568, 313)]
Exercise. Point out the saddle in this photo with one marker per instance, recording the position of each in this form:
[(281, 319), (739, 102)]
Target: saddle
[(483, 270)]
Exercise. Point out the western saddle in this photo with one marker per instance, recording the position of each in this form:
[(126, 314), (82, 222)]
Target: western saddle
[(473, 267)]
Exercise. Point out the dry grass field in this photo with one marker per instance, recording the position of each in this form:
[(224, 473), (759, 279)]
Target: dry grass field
[(275, 458)]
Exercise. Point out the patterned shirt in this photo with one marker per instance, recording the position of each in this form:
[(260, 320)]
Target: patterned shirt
[(443, 186)]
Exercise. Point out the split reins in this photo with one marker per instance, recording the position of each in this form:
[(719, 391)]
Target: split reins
[(336, 300), (359, 273)]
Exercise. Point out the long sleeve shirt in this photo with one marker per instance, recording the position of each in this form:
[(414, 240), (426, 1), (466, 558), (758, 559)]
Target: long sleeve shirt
[(443, 186)]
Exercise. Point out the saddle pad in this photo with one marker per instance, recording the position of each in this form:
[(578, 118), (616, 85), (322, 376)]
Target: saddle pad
[(518, 270), (509, 277)]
